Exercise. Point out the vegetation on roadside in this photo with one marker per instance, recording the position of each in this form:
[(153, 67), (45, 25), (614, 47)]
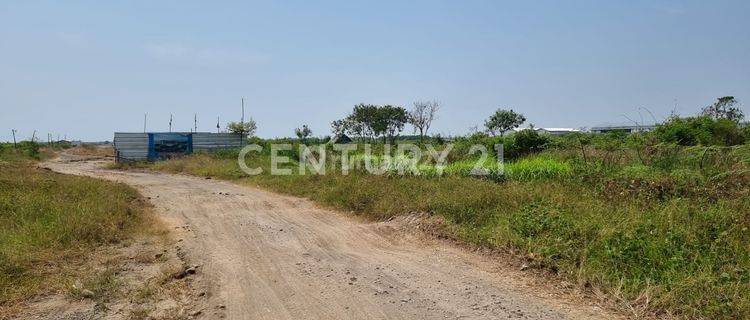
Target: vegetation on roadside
[(51, 221), (658, 220)]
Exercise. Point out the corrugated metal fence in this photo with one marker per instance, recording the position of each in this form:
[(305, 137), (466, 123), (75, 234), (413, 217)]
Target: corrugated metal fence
[(151, 146)]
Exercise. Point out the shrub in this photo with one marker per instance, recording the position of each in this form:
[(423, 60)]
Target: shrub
[(462, 146), (665, 157), (693, 131), (526, 142)]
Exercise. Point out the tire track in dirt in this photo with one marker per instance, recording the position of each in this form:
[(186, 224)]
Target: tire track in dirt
[(269, 256)]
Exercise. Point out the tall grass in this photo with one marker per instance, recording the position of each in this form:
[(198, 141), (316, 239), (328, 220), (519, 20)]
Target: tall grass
[(657, 235), (537, 168), (50, 220)]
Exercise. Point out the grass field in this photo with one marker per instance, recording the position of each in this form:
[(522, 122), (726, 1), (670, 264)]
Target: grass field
[(665, 235), (49, 222)]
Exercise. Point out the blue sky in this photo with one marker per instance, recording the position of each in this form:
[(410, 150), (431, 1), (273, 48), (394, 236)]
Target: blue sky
[(88, 68)]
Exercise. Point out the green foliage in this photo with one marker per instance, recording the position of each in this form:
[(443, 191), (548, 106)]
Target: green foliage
[(525, 142), (610, 141), (469, 168), (537, 168), (692, 131), (724, 108), (503, 121), (638, 171), (23, 151), (245, 129), (372, 121), (745, 131), (390, 120), (625, 214), (303, 132), (48, 219), (462, 146)]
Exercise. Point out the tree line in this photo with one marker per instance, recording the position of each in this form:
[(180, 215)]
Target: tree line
[(720, 120)]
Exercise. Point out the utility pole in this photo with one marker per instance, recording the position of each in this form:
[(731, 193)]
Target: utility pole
[(170, 122), (14, 138), (242, 122), (195, 122), (218, 127), (144, 122), (33, 136)]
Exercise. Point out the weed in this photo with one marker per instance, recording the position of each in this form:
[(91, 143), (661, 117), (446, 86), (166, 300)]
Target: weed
[(661, 229), (49, 220)]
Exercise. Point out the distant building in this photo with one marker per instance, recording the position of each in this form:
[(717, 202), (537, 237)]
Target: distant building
[(557, 131), (551, 131), (623, 128)]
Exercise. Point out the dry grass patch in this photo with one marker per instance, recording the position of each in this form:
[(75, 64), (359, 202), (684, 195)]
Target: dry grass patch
[(51, 222)]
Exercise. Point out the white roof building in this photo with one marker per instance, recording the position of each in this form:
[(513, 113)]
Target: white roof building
[(551, 131)]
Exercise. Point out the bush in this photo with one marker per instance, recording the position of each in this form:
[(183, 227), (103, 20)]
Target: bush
[(462, 146), (526, 142), (610, 141), (693, 131)]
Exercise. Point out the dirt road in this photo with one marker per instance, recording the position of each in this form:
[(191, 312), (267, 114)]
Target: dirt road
[(269, 256)]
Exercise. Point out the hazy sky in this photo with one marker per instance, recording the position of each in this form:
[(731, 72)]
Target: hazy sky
[(87, 69)]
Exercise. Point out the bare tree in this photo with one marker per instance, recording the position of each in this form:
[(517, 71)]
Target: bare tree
[(422, 115)]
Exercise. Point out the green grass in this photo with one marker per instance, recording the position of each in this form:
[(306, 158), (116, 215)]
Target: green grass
[(667, 238), (537, 168), (49, 222)]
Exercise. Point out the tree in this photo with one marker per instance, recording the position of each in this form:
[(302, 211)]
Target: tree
[(724, 108), (339, 127), (504, 120), (303, 133), (362, 120), (389, 120), (372, 121), (422, 115), (244, 129)]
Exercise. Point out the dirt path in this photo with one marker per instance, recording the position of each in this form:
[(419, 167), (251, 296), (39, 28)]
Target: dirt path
[(269, 256)]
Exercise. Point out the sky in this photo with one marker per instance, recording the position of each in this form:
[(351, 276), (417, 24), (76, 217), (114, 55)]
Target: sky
[(85, 69)]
